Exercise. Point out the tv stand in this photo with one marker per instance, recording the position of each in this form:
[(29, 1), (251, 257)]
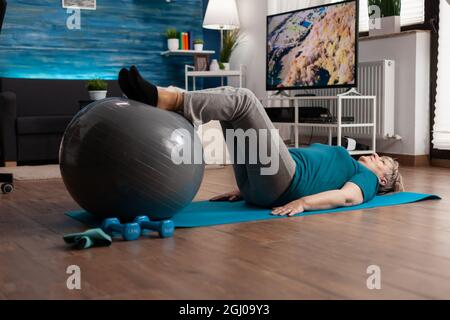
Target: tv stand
[(352, 94), (305, 95)]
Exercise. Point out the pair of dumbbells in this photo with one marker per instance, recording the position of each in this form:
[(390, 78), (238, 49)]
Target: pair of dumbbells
[(133, 230)]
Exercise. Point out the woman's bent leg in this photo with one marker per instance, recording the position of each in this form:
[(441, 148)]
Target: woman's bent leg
[(262, 164)]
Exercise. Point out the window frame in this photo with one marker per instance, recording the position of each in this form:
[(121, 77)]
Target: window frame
[(432, 17)]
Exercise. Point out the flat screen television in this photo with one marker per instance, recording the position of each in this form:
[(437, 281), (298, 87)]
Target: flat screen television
[(313, 48)]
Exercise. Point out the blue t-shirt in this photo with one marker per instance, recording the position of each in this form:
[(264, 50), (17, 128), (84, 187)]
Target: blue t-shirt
[(323, 168)]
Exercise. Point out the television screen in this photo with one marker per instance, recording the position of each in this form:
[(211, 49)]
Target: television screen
[(313, 48)]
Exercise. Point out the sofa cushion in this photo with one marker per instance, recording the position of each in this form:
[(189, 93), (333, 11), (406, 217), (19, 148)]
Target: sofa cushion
[(38, 147), (42, 125)]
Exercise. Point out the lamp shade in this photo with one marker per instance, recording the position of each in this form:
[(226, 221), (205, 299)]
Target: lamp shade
[(221, 15)]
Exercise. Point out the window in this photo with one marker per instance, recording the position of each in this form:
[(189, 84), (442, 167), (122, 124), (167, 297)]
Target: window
[(413, 12)]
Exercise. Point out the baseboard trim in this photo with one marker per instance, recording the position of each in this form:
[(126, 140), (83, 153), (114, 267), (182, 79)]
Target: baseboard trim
[(10, 164), (409, 160), (443, 163)]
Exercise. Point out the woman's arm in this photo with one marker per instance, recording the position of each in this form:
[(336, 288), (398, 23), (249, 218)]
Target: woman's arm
[(349, 195)]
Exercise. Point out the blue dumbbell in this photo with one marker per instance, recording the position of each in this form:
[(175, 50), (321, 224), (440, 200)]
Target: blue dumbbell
[(128, 231), (164, 228)]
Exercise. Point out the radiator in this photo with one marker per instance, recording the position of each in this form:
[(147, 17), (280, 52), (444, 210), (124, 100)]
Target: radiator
[(374, 78)]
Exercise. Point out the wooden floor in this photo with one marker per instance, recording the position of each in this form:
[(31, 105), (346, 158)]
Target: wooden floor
[(314, 257)]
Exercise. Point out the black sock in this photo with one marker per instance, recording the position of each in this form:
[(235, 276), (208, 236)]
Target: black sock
[(147, 90), (126, 85)]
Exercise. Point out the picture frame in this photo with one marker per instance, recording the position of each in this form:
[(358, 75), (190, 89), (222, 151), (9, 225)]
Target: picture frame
[(201, 62), (80, 4)]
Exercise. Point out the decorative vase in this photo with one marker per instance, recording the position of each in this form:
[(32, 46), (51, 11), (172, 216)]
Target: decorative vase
[(384, 26), (173, 44), (214, 66), (97, 94), (198, 47)]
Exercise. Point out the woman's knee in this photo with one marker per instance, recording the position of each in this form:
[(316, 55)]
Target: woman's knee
[(248, 98), (246, 92)]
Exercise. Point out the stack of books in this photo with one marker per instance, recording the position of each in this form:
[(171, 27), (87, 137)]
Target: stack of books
[(186, 41)]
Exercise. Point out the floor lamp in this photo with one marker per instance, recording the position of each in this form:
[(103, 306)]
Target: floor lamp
[(221, 15)]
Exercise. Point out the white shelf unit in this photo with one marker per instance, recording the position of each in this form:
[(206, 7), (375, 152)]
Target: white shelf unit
[(222, 74), (351, 95), (186, 52)]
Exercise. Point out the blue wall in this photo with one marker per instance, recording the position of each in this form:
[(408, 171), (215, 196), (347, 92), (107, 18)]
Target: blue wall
[(35, 42)]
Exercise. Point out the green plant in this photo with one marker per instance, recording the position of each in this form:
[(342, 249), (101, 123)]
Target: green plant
[(231, 40), (388, 8), (171, 33), (96, 85), (221, 66), (198, 41)]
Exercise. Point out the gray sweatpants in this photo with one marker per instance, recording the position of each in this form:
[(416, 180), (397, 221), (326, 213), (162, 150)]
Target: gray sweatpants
[(238, 108)]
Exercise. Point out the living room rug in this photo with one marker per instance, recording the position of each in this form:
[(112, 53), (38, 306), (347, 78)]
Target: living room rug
[(44, 172)]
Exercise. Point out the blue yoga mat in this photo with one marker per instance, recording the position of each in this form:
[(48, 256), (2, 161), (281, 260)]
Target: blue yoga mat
[(206, 213)]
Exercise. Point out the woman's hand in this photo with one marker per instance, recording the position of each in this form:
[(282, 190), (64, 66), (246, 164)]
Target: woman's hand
[(232, 196), (290, 209)]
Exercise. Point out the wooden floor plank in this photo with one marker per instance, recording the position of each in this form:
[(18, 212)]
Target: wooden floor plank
[(313, 257)]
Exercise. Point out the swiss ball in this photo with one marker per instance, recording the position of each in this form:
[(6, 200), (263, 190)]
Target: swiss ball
[(121, 158)]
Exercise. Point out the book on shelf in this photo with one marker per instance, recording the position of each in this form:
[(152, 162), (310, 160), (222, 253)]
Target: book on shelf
[(186, 41), (191, 40), (180, 38)]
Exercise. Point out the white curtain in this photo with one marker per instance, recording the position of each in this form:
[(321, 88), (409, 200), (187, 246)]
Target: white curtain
[(441, 130)]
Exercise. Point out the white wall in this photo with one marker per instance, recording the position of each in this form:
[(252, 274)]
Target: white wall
[(411, 52), (422, 89), (252, 50)]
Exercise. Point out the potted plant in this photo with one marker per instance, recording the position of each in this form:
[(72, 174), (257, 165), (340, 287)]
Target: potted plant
[(172, 39), (198, 44), (384, 17), (97, 89), (230, 42)]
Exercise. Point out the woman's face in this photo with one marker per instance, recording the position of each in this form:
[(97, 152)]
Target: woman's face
[(376, 164)]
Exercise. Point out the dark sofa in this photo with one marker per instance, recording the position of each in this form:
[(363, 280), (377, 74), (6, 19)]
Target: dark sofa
[(34, 114)]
